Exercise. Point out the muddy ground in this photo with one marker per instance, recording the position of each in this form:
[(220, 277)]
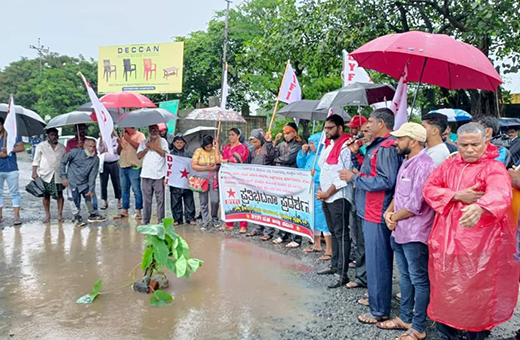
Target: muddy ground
[(247, 289)]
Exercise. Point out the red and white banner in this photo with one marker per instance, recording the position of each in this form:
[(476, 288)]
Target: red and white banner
[(400, 102), (103, 118), (178, 171), (352, 72), (11, 127), (290, 91), (225, 90)]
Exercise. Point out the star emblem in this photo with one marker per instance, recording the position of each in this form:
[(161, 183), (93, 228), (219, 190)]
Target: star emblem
[(231, 193), (184, 173)]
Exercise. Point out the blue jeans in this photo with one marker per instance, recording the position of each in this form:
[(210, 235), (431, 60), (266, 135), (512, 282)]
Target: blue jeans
[(131, 178), (412, 262), (379, 259), (12, 183)]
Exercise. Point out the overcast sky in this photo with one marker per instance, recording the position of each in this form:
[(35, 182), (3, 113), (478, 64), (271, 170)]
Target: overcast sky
[(79, 27)]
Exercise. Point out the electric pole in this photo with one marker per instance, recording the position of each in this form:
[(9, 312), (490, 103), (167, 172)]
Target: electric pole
[(41, 50)]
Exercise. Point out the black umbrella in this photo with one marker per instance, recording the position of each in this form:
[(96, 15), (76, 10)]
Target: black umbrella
[(28, 122), (356, 94), (509, 123), (306, 109)]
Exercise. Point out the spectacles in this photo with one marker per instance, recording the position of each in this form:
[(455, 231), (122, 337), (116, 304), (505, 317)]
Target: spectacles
[(329, 127)]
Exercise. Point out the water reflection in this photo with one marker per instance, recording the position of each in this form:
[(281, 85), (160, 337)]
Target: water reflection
[(242, 291)]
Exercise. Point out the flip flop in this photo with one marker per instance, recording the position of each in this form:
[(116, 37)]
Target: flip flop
[(353, 285), (266, 238), (46, 220), (242, 230), (326, 257), (411, 334), (292, 245), (120, 216), (395, 323), (278, 240), (253, 233), (61, 220), (311, 250), (370, 319)]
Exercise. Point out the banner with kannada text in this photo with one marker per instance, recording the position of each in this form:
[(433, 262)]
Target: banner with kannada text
[(277, 197)]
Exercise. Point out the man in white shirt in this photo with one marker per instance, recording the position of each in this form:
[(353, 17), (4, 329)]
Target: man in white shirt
[(153, 152), (435, 125), (110, 168), (335, 194), (46, 165)]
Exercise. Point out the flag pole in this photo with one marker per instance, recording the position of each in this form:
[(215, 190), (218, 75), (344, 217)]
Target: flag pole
[(278, 97)]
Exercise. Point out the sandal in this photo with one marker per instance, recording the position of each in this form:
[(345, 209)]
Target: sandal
[(253, 233), (226, 228), (353, 284), (61, 220), (242, 230), (120, 216), (292, 244), (46, 220), (411, 334), (312, 250), (278, 240), (326, 257), (266, 238), (363, 302), (193, 223), (395, 323), (370, 319)]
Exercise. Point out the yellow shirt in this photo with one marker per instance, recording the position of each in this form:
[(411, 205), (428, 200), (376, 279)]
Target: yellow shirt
[(203, 157), (129, 154)]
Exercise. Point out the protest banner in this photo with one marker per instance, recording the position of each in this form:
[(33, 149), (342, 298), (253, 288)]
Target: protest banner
[(178, 171), (271, 196)]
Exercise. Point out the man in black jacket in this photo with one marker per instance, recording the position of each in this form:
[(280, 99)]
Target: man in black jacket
[(177, 195)]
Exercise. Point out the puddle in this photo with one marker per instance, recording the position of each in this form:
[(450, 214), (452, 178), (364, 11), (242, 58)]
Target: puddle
[(241, 292)]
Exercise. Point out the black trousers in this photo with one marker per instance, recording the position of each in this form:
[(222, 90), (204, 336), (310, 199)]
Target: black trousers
[(110, 169), (448, 333), (337, 217), (177, 196)]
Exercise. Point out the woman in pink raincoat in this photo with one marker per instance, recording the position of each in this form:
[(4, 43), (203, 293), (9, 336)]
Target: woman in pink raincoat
[(473, 274)]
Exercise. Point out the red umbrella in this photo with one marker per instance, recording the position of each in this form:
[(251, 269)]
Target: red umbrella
[(435, 59), (120, 100)]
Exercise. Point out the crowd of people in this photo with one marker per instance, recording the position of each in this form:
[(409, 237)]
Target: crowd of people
[(442, 209)]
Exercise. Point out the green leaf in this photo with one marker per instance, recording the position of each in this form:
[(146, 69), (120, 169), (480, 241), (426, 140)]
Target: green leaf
[(160, 250), (160, 298), (147, 258), (170, 231), (167, 222), (148, 240), (152, 229), (170, 264), (194, 264), (185, 247), (89, 298), (180, 266)]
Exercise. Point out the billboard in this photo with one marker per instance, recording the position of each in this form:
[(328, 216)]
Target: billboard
[(144, 68)]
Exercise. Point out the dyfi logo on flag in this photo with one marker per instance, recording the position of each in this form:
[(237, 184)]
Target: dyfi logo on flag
[(106, 124), (178, 171), (225, 90), (290, 91), (352, 72), (10, 127), (400, 102)]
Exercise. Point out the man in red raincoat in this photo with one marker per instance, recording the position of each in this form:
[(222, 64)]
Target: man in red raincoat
[(473, 275)]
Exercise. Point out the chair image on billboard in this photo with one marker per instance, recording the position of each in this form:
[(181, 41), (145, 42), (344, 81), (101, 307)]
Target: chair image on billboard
[(129, 68), (149, 67), (108, 69), (170, 71)]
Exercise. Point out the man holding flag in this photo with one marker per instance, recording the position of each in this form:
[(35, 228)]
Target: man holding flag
[(10, 145)]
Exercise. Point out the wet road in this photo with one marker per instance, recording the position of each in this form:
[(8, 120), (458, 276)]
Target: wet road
[(246, 289)]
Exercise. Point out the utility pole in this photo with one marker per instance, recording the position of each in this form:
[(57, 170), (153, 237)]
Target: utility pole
[(226, 31), (41, 50)]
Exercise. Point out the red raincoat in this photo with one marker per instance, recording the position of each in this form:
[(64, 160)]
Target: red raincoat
[(473, 275)]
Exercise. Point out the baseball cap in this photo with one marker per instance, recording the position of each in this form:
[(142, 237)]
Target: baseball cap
[(413, 130), (357, 121)]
